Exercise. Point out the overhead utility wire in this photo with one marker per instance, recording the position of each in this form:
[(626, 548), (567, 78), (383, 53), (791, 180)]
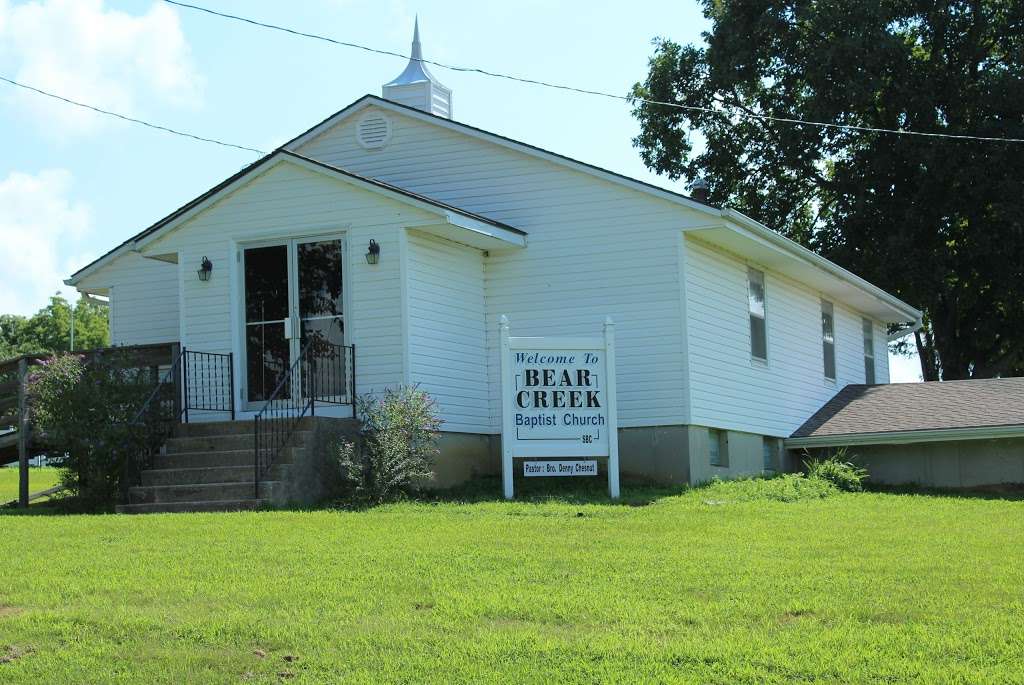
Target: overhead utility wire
[(586, 91), (127, 118)]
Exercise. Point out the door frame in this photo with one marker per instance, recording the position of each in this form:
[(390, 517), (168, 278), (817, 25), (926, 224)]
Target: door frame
[(238, 247)]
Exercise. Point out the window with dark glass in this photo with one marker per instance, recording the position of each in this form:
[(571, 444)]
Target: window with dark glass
[(869, 351), (828, 339), (758, 325)]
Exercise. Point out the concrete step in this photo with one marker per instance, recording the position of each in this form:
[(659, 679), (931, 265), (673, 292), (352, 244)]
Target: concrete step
[(213, 428), (209, 474), (222, 443), (215, 459), (173, 507), (199, 492)]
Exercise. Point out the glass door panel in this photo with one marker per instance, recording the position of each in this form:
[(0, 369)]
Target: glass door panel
[(321, 317), (268, 350)]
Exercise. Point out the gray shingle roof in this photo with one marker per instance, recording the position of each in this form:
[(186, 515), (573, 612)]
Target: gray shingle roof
[(919, 406)]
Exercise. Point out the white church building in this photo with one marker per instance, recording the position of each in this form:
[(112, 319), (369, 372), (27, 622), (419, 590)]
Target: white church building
[(394, 232)]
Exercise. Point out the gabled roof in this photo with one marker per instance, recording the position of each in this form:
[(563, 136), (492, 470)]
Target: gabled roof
[(869, 298), (563, 160), (191, 208), (916, 412)]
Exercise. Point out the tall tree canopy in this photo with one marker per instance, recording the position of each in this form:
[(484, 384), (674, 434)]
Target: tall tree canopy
[(49, 329), (939, 222)]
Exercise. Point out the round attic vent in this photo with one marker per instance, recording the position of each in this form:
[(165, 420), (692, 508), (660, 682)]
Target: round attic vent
[(373, 131)]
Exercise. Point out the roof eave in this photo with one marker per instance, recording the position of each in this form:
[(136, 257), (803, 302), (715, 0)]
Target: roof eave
[(906, 437), (499, 231), (906, 313)]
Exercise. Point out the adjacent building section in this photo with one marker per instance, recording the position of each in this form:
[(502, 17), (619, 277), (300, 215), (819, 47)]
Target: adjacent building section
[(950, 434)]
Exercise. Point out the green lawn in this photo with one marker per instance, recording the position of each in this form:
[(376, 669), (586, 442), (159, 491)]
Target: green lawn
[(699, 587), (38, 479)]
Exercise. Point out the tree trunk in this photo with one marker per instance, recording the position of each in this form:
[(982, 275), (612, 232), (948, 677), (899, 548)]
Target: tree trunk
[(926, 353)]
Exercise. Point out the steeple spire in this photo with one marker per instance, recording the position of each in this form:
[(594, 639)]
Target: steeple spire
[(416, 86), (417, 50)]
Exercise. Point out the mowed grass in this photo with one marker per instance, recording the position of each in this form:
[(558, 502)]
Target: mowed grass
[(703, 587), (39, 478)]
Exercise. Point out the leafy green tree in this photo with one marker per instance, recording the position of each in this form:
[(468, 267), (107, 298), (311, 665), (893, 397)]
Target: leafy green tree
[(938, 222), (49, 329)]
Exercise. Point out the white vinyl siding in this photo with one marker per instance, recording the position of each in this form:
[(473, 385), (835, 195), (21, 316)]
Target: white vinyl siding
[(729, 392), (596, 249), (143, 299), (288, 200), (447, 339)]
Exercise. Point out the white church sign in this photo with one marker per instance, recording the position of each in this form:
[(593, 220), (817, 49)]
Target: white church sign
[(558, 401)]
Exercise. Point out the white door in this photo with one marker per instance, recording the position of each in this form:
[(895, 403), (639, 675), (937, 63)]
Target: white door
[(293, 305)]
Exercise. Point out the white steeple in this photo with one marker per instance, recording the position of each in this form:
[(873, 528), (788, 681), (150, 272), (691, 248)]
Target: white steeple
[(417, 87)]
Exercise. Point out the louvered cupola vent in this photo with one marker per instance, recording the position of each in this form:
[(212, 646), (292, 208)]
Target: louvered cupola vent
[(373, 131)]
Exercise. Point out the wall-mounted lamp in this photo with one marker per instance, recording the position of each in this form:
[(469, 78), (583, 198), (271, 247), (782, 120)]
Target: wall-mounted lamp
[(205, 269), (373, 253)]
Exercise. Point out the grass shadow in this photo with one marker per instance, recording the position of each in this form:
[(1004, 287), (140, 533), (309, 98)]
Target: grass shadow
[(634, 493), (1005, 491)]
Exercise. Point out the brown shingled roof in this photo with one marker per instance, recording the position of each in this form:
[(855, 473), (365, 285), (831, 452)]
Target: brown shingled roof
[(858, 409)]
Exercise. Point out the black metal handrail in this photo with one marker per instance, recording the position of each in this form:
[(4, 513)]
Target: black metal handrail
[(323, 373), (209, 382), (153, 423)]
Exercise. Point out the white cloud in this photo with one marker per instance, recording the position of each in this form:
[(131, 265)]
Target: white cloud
[(37, 223), (104, 57)]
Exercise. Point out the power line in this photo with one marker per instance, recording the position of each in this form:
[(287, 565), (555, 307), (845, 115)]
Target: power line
[(127, 118), (587, 91)]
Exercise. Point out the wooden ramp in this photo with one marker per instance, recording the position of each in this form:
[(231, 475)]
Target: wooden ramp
[(33, 496)]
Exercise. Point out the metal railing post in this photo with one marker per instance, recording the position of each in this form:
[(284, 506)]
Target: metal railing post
[(312, 387), (256, 458), (184, 375), (231, 382), (352, 397)]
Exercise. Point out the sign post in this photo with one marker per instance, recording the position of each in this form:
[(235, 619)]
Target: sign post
[(558, 401)]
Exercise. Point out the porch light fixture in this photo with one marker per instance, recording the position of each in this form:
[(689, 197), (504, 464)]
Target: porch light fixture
[(205, 269), (373, 253)]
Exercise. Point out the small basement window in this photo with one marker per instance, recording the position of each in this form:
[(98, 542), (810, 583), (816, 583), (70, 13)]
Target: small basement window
[(758, 326), (769, 449), (828, 339), (869, 351), (718, 447)]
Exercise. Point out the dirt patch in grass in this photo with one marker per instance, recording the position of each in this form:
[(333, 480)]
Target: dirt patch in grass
[(6, 611), (795, 615), (12, 652)]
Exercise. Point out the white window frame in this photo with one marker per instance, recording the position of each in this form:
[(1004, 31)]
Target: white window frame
[(827, 307), (868, 334), (751, 270)]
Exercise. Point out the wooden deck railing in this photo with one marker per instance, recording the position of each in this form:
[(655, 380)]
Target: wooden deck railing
[(17, 441)]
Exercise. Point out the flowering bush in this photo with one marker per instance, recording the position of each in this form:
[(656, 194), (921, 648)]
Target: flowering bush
[(83, 409), (394, 452)]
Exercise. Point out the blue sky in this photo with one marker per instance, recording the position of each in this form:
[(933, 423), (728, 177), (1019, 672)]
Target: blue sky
[(73, 183)]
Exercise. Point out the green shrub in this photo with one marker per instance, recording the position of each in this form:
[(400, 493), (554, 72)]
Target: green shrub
[(394, 452), (789, 487), (83, 410), (838, 470)]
